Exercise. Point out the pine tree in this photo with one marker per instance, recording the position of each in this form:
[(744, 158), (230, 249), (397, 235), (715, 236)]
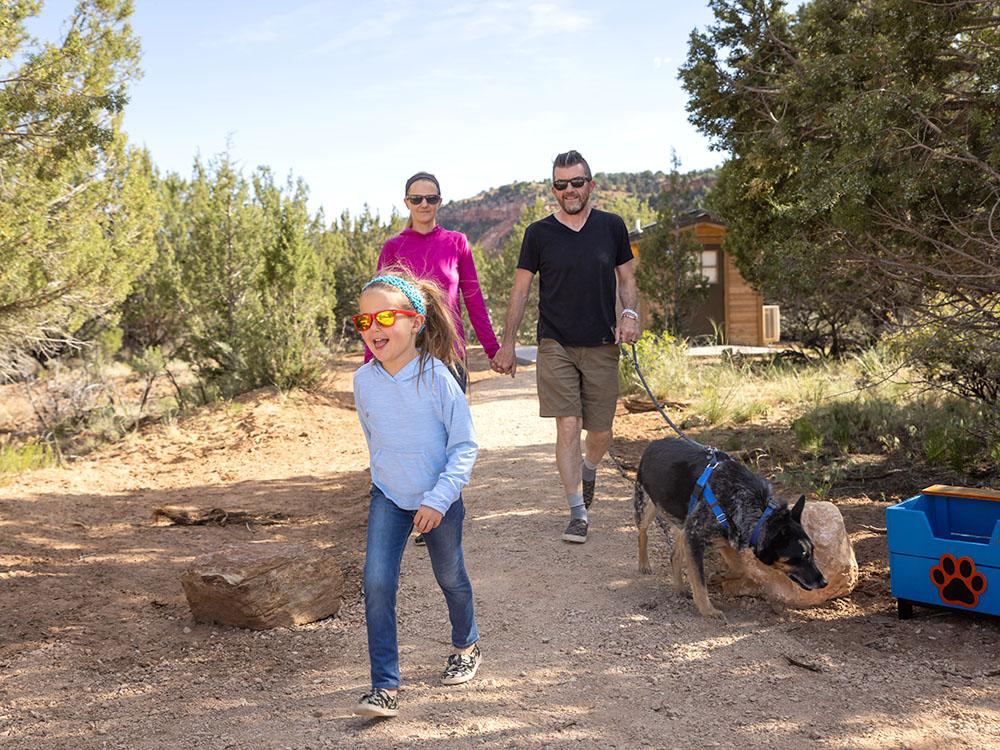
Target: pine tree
[(77, 212), (155, 313), (221, 259), (286, 348), (863, 187), (668, 273)]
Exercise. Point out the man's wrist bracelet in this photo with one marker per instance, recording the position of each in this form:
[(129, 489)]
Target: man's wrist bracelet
[(628, 312)]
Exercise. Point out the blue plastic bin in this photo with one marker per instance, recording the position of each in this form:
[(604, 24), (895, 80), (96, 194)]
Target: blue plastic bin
[(944, 549)]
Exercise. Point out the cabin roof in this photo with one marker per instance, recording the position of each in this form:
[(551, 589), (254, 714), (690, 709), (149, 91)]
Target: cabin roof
[(695, 216)]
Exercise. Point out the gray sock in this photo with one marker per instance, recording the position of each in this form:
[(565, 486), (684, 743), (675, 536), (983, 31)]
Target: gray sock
[(576, 506), (589, 472)]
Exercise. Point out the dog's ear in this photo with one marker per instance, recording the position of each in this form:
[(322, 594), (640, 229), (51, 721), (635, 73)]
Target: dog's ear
[(797, 509)]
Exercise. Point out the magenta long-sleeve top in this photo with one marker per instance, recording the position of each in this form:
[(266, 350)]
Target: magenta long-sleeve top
[(444, 257)]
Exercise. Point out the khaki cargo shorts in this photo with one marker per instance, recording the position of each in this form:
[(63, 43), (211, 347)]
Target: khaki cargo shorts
[(578, 381)]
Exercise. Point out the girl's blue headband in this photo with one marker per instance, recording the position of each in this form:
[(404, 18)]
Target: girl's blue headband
[(411, 292)]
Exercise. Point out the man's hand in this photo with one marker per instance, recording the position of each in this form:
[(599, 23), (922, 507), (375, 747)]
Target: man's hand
[(627, 331), (426, 519), (504, 361)]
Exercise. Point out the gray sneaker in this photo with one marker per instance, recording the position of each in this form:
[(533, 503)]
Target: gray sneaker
[(462, 668), (576, 532), (377, 703), (588, 492)]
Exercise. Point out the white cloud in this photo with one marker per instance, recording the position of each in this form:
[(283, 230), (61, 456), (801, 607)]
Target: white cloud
[(380, 26), (336, 25), (518, 19), (555, 18), (278, 26)]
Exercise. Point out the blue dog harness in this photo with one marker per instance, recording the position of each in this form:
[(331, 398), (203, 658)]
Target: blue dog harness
[(703, 490), (755, 536)]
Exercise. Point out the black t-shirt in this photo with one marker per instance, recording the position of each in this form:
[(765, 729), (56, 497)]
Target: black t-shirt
[(576, 276)]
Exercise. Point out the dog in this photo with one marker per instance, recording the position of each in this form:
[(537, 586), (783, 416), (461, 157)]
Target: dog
[(669, 471)]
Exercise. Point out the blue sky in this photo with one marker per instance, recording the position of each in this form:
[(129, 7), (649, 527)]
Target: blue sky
[(355, 96)]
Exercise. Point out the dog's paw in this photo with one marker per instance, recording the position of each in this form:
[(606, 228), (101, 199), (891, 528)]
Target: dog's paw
[(958, 581), (646, 569), (717, 614), (710, 611)]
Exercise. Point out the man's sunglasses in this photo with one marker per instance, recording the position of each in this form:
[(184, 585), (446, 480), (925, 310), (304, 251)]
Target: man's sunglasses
[(577, 182), (416, 200), (385, 318)]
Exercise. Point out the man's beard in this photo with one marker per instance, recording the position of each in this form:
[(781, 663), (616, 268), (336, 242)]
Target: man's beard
[(574, 211)]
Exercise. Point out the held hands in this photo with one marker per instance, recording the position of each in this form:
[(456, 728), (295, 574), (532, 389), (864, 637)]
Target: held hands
[(426, 519), (504, 360)]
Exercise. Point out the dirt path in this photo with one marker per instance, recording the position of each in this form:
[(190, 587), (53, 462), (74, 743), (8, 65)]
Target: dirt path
[(97, 649)]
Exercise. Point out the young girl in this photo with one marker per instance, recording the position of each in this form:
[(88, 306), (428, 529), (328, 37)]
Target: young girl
[(419, 431)]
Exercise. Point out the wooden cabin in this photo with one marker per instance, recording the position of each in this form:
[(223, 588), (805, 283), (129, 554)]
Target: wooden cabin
[(732, 305)]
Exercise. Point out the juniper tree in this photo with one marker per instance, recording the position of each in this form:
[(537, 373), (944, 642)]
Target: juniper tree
[(865, 159), (76, 210), (668, 273)]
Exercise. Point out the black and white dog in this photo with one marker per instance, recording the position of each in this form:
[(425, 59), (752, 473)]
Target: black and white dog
[(669, 474)]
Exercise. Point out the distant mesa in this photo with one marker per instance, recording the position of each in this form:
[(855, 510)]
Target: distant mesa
[(487, 218)]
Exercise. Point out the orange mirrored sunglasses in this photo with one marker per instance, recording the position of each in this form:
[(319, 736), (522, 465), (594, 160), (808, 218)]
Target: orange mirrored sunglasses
[(385, 318)]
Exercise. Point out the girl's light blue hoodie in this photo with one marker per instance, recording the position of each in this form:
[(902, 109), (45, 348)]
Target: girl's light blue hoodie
[(419, 433)]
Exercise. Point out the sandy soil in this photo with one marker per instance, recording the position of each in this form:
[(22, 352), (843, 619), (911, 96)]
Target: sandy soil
[(97, 648)]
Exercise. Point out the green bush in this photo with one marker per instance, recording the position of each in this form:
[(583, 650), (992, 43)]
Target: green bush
[(26, 456), (243, 286), (664, 363), (954, 359), (809, 438), (865, 404)]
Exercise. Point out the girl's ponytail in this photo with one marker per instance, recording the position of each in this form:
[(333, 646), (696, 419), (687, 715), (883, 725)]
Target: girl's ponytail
[(439, 337)]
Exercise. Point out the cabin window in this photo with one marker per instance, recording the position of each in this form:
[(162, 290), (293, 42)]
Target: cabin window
[(710, 266)]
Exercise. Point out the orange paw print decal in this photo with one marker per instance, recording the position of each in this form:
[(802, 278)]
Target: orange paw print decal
[(958, 581)]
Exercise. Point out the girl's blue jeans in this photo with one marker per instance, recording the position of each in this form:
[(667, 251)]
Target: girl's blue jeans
[(388, 530)]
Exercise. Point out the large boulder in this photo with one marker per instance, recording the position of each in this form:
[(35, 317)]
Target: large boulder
[(264, 585), (833, 553)]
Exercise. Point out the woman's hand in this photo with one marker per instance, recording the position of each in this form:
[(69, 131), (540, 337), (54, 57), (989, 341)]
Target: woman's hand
[(505, 361), (426, 519)]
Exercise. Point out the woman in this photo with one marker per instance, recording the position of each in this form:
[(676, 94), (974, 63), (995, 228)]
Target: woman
[(432, 252)]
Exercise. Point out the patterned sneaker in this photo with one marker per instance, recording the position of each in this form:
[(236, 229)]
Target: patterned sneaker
[(462, 668), (576, 532), (378, 702), (588, 492)]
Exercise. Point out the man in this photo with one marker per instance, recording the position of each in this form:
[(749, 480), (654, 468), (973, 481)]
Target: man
[(578, 253)]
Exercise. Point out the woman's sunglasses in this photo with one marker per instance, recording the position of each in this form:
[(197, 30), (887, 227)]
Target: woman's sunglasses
[(416, 200), (577, 182), (385, 318)]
